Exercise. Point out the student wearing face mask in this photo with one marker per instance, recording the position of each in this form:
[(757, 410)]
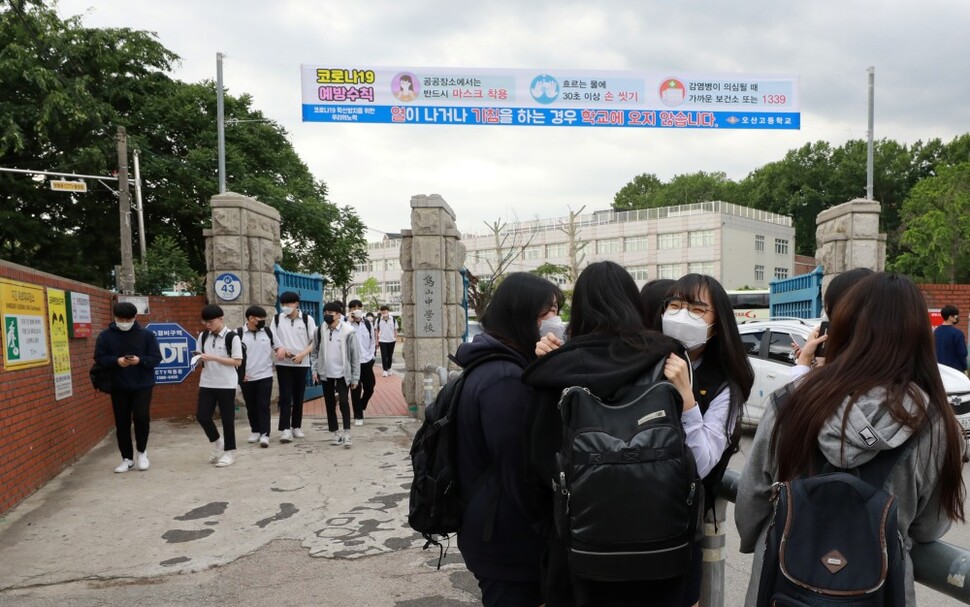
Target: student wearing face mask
[(336, 363), (698, 314), (132, 353), (294, 334), (257, 385)]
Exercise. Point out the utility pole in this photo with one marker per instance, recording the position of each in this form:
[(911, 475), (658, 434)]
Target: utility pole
[(220, 124), (139, 209), (126, 282), (869, 151)]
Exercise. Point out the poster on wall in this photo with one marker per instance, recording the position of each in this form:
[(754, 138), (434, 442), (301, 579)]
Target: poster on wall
[(60, 346), (79, 312), (24, 340)]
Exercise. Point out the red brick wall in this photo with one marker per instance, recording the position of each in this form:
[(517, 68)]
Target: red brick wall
[(938, 296), (40, 436)]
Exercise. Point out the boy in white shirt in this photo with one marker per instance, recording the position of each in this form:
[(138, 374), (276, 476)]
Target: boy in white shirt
[(360, 396), (387, 338), (257, 385), (293, 331), (337, 364), (220, 351)]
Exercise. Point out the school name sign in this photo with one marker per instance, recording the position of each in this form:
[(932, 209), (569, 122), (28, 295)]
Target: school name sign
[(517, 97)]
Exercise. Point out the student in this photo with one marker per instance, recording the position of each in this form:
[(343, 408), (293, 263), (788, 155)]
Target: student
[(361, 395), (494, 411), (876, 391), (257, 385), (951, 347), (386, 338), (293, 331), (217, 385), (609, 349), (336, 363), (654, 296), (131, 352)]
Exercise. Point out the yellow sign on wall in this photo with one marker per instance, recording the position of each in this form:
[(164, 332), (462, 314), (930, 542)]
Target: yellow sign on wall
[(60, 346), (22, 310)]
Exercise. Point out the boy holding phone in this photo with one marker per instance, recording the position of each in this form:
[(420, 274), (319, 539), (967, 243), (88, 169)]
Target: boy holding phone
[(217, 386)]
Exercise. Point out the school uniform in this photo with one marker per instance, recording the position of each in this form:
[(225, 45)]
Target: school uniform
[(217, 387)]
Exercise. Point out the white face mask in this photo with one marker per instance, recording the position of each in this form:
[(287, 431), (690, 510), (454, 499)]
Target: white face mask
[(289, 310), (554, 325), (691, 332), (124, 326)]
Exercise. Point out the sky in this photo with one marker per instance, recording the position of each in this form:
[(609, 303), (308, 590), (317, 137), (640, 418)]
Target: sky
[(486, 174)]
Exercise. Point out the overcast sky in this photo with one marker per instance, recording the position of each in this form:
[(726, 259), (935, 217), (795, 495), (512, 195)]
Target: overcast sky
[(919, 51)]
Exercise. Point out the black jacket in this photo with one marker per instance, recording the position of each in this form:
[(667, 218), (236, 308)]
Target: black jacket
[(493, 423), (113, 343), (608, 366)]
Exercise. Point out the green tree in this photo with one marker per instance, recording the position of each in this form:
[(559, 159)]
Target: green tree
[(638, 193), (167, 268), (557, 273), (936, 222), (368, 291)]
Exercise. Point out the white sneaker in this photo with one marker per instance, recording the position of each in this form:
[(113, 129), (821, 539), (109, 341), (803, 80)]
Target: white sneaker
[(347, 443), (384, 374), (142, 457), (264, 440), (217, 449), (227, 459), (287, 436), (337, 440), (254, 437), (358, 422), (124, 466), (297, 433)]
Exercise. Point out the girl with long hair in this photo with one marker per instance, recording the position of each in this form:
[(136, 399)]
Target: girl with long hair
[(879, 388)]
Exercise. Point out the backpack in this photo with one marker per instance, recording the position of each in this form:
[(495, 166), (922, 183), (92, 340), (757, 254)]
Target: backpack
[(436, 505), (230, 336), (101, 378), (241, 369), (627, 499), (833, 539)]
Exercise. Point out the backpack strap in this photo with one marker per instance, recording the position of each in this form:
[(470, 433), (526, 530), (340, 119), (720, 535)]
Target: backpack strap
[(272, 341), (204, 337)]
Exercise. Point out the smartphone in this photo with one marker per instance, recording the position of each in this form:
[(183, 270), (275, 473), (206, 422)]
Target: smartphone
[(823, 329), (129, 356)]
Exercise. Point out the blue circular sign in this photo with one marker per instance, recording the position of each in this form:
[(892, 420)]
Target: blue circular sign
[(544, 88), (228, 287)]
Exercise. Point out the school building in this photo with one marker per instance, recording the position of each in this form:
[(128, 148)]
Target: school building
[(740, 246)]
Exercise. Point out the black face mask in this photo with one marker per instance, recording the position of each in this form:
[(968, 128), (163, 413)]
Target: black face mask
[(328, 318), (260, 325)]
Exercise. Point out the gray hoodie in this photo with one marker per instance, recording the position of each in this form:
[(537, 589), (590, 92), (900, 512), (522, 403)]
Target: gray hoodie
[(870, 430)]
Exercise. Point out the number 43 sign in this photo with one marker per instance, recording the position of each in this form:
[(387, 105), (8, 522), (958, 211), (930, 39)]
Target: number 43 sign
[(228, 287)]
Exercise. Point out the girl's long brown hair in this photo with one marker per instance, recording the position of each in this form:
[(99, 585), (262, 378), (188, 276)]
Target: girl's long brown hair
[(879, 336)]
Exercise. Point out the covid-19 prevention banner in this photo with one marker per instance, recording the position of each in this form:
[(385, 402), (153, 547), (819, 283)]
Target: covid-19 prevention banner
[(518, 97)]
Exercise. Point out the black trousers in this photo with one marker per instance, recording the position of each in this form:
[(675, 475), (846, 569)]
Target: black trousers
[(292, 388), (387, 354), (225, 399), (504, 593), (335, 389), (131, 406), (257, 395), (360, 396)]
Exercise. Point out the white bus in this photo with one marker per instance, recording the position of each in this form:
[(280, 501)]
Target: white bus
[(750, 305)]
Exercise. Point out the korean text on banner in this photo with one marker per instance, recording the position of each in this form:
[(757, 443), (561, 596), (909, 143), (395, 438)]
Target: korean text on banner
[(24, 336)]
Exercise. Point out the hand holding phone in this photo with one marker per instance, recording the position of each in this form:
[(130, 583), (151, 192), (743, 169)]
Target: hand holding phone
[(823, 329)]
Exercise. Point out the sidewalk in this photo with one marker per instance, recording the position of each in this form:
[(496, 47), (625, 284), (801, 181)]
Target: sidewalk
[(387, 401)]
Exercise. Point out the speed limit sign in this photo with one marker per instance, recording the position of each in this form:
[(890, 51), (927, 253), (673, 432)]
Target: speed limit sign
[(228, 287)]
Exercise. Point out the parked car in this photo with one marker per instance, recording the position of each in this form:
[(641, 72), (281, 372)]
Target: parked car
[(768, 344)]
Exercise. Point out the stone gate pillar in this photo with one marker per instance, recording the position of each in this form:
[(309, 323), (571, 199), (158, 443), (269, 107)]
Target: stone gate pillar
[(431, 293), (244, 240), (847, 236)]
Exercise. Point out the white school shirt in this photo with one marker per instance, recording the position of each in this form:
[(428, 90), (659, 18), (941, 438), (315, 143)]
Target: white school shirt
[(386, 329), (365, 339), (706, 437), (333, 341), (291, 333), (260, 354), (216, 374)]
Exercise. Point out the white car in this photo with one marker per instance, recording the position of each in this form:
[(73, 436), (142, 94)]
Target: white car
[(768, 344)]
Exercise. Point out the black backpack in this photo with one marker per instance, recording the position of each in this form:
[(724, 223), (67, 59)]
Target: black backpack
[(101, 378), (627, 498), (230, 336), (436, 505), (833, 539)]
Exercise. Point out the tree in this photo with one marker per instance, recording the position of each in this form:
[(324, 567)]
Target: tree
[(936, 222), (638, 193), (509, 245), (552, 271), (167, 268), (368, 292), (570, 228)]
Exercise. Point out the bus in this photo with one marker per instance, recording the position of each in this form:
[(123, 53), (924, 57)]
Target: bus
[(750, 305)]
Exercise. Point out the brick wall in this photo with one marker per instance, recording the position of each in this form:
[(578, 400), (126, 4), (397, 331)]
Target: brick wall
[(938, 296), (40, 436)]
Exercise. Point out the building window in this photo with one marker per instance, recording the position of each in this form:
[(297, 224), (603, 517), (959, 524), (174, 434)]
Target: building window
[(609, 246), (392, 287), (362, 267), (701, 267), (701, 238), (781, 273), (556, 250), (669, 270), (635, 244), (781, 246), (392, 264), (673, 240), (759, 243), (759, 273), (639, 273)]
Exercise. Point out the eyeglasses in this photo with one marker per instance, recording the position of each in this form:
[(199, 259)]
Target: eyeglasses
[(695, 310)]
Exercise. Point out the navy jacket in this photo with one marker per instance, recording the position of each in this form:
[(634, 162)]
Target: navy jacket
[(113, 343), (494, 413), (951, 348)]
